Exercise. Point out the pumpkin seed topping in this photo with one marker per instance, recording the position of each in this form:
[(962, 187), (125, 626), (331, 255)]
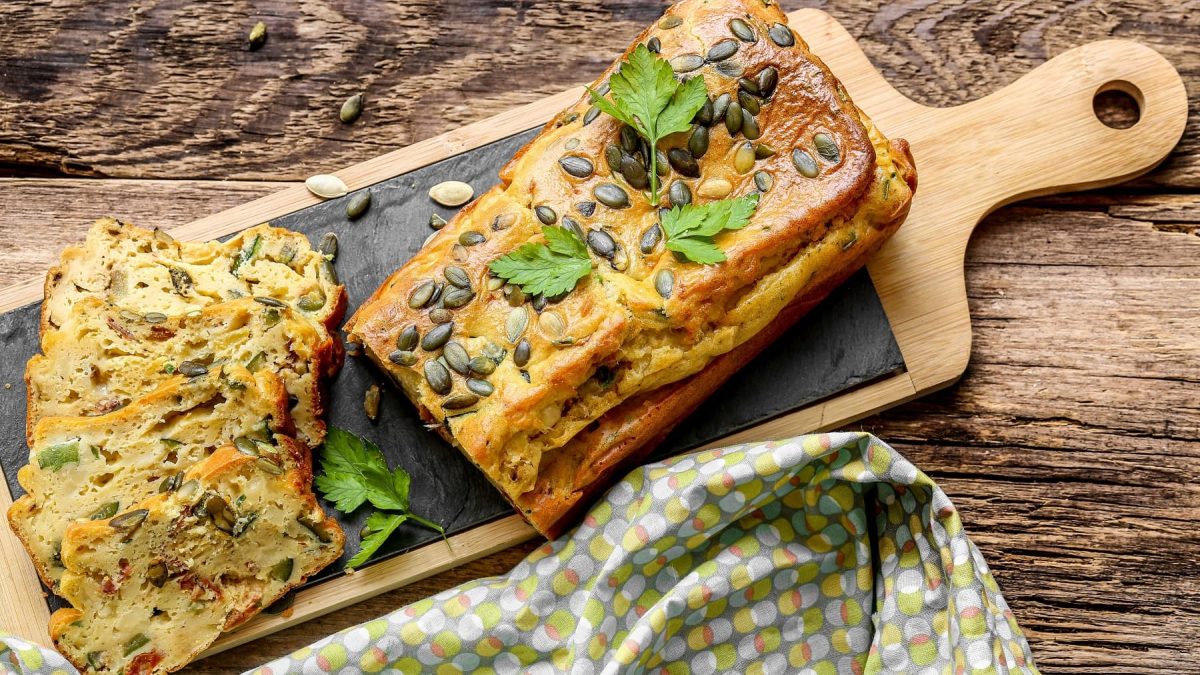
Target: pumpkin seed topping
[(715, 188), (679, 194), (781, 35), (669, 22), (733, 118), (763, 181), (742, 31), (682, 161), (407, 339), (326, 186), (482, 365), (460, 401), (686, 63), (440, 315), (480, 387), (522, 353), (664, 282), (730, 68), (698, 142), (515, 324), (601, 243), (763, 151), (767, 80), (437, 336), (471, 238), (805, 164), (651, 237), (457, 357), (403, 358), (611, 195), (351, 109), (654, 45), (421, 294), (723, 50), (457, 297), (436, 222), (457, 276), (451, 193), (437, 377), (579, 167), (826, 147), (743, 158), (586, 208), (613, 157), (545, 214)]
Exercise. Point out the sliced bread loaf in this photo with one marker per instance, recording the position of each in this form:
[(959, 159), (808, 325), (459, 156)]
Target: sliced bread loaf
[(152, 587), (149, 272), (101, 358), (95, 467)]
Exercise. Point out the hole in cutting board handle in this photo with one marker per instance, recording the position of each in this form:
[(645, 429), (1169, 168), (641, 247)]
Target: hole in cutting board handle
[(1118, 104)]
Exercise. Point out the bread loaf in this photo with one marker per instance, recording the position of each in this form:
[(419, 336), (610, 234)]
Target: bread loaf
[(152, 587), (831, 189), (94, 467), (101, 358)]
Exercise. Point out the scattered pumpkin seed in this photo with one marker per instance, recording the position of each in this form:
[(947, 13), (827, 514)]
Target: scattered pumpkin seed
[(438, 377), (421, 294), (579, 167), (750, 127), (686, 63), (763, 181), (723, 50), (767, 79), (652, 236), (451, 193), (471, 238), (781, 35), (682, 161), (634, 173), (437, 336), (574, 226), (748, 85), (437, 222), (358, 205), (698, 142), (715, 188), (611, 195), (192, 369), (826, 147), (328, 245), (590, 116), (743, 158), (457, 276), (664, 282), (480, 387), (440, 315), (504, 221), (495, 283), (522, 353), (730, 68), (733, 118), (742, 31), (613, 157), (457, 297), (408, 338), (538, 303), (679, 195), (351, 109), (662, 165), (805, 164), (545, 214), (601, 243), (749, 102), (654, 45), (721, 108), (403, 358), (763, 151), (482, 365), (515, 324), (669, 22), (457, 357), (258, 36), (326, 186), (552, 325), (586, 208), (460, 401)]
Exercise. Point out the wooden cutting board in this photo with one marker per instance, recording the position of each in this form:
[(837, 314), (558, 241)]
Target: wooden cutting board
[(1036, 136)]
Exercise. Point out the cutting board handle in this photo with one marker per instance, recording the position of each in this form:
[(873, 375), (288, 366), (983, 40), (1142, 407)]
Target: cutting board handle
[(1040, 135)]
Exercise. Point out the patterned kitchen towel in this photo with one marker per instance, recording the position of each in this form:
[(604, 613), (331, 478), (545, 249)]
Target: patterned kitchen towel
[(820, 554)]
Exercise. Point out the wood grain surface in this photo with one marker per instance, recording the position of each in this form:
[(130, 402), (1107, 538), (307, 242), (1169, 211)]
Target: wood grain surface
[(1072, 444)]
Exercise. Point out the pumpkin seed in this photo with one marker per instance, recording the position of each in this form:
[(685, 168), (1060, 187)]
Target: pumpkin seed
[(682, 161), (612, 156), (457, 357), (437, 222), (552, 325), (503, 221), (514, 295), (629, 139), (328, 245), (311, 302), (664, 282), (437, 336), (733, 118), (188, 489), (271, 317), (495, 283), (107, 511), (662, 165), (586, 209), (620, 259), (192, 369), (698, 142), (749, 102), (440, 315), (826, 147), (459, 252), (471, 238), (590, 116), (266, 465), (730, 68), (371, 402), (723, 50), (715, 188), (482, 365), (438, 377), (579, 167), (181, 281), (742, 31), (269, 302), (460, 401), (522, 353), (679, 195), (654, 45), (451, 193), (686, 63), (170, 483), (721, 108), (421, 294), (781, 35), (407, 339), (538, 303), (763, 151), (601, 243), (763, 181), (750, 127), (130, 521), (743, 158), (494, 352), (96, 661), (246, 446), (574, 226), (805, 164), (747, 84), (705, 114), (457, 276), (156, 573), (669, 22), (545, 214), (767, 79), (326, 186), (611, 195), (154, 317), (282, 570), (515, 324), (604, 88), (480, 387), (351, 109), (571, 143), (652, 236), (258, 36), (317, 527), (633, 172), (330, 272), (457, 297), (403, 358)]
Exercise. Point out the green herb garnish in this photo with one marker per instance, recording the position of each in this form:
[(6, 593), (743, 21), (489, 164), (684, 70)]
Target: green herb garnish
[(690, 229), (355, 472), (548, 269), (647, 97)]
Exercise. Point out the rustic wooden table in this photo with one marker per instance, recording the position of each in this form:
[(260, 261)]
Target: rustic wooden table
[(1071, 445)]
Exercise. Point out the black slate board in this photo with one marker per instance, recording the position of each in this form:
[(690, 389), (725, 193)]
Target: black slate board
[(843, 343)]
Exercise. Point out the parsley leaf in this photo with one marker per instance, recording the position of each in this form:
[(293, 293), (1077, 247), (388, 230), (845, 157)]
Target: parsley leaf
[(647, 97), (690, 228), (548, 269), (354, 472)]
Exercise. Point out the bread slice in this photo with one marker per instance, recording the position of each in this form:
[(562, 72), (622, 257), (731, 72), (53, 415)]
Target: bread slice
[(152, 587), (147, 272), (89, 467), (101, 358)]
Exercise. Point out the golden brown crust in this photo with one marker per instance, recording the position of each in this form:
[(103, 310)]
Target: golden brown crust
[(622, 339)]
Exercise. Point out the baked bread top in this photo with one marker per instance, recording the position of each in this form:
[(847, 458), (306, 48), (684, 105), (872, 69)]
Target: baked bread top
[(827, 178), (153, 586), (149, 272), (102, 357), (93, 467)]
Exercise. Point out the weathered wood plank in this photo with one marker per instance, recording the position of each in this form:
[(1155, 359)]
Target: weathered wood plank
[(169, 90)]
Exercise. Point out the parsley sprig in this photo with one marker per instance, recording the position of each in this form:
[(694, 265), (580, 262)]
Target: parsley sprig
[(550, 269), (690, 229), (647, 97), (355, 472)]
